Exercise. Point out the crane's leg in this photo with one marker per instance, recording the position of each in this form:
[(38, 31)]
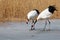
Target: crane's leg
[(45, 25), (32, 26), (49, 25)]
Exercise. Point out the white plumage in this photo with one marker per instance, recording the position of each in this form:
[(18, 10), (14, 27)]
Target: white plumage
[(32, 14), (44, 14)]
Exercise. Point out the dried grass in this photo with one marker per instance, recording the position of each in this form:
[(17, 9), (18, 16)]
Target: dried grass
[(16, 10)]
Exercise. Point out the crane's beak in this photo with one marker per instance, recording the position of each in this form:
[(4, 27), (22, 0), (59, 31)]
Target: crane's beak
[(56, 10), (55, 7)]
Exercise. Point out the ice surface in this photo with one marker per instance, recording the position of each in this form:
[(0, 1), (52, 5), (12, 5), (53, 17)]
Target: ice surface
[(20, 31)]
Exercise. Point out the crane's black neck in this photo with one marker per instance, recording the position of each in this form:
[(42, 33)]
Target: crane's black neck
[(37, 11)]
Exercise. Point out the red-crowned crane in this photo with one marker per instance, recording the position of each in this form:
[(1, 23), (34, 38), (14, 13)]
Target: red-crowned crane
[(46, 14), (31, 16)]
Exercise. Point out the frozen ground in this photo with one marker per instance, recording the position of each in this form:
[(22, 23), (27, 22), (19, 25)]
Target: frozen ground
[(20, 31)]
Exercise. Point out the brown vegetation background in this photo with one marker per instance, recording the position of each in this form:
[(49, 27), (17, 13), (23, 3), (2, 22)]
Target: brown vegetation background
[(16, 10)]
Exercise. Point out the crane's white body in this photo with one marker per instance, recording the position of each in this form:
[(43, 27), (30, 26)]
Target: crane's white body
[(44, 14), (32, 14)]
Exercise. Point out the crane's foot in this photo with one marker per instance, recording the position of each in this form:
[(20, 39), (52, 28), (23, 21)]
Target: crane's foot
[(32, 28), (44, 29), (48, 30)]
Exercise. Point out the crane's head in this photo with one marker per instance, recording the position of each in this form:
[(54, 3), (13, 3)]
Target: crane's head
[(27, 21), (52, 8)]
